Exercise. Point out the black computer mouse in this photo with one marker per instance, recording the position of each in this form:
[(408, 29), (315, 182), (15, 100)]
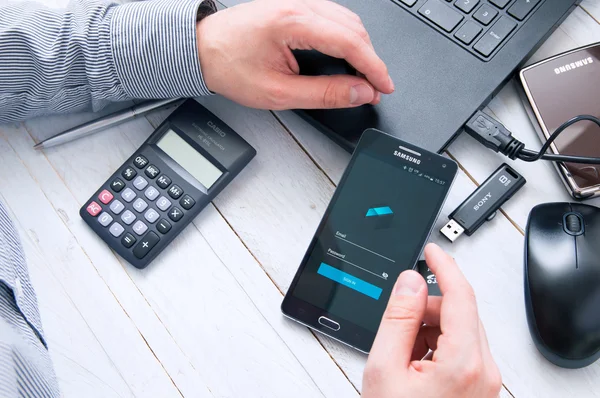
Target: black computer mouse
[(315, 63), (562, 282)]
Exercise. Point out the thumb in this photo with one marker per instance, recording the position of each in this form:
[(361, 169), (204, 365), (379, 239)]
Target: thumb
[(401, 322), (327, 92)]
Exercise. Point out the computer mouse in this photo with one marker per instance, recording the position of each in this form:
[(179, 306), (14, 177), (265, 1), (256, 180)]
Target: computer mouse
[(315, 63), (562, 282)]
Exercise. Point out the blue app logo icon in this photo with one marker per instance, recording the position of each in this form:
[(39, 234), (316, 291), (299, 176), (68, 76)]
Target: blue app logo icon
[(379, 211), (379, 217)]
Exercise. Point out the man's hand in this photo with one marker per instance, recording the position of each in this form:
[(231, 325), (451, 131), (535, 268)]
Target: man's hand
[(246, 55), (461, 366)]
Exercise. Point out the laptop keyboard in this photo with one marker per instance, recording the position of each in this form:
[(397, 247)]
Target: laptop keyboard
[(480, 26)]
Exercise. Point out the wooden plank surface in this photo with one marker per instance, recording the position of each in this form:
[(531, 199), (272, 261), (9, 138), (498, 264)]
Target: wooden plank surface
[(204, 319)]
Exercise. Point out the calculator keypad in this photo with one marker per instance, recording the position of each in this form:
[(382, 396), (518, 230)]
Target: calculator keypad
[(151, 193), (94, 209), (117, 207), (163, 226), (140, 183), (163, 182), (140, 228), (163, 203), (187, 202), (128, 195), (128, 217), (138, 204), (140, 161), (128, 240), (117, 185), (105, 197), (151, 216), (129, 173), (116, 230), (146, 245), (152, 171), (105, 219), (175, 214), (175, 191)]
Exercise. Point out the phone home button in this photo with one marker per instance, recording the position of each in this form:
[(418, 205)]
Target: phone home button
[(328, 323)]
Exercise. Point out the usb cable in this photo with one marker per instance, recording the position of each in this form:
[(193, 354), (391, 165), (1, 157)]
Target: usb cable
[(483, 204), (492, 134)]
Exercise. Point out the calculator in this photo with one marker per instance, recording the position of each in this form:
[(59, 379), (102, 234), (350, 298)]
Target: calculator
[(165, 184)]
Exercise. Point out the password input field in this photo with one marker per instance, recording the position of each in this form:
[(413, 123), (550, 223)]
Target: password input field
[(359, 267)]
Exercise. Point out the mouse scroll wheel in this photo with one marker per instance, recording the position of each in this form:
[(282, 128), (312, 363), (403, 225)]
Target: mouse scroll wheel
[(573, 223)]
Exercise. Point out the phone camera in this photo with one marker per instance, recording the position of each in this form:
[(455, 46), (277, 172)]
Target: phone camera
[(443, 166)]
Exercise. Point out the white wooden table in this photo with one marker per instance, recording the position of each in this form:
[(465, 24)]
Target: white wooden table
[(204, 319)]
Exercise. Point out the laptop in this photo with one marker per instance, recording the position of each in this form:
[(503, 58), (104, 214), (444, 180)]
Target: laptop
[(448, 58)]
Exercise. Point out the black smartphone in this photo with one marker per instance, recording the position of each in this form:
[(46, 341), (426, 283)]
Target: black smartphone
[(375, 227)]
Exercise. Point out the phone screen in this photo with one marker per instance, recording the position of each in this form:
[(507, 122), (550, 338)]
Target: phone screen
[(375, 228)]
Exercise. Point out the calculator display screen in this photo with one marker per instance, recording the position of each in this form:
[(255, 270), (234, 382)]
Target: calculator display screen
[(189, 158)]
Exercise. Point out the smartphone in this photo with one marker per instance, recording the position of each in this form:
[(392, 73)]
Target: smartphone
[(375, 227), (556, 90)]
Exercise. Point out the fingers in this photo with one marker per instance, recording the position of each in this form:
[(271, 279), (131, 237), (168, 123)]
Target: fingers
[(434, 309), (401, 322), (328, 92), (340, 42), (458, 314), (337, 13), (426, 340)]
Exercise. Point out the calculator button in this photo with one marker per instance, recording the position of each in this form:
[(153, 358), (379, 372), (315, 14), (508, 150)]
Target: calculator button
[(116, 230), (163, 226), (175, 192), (117, 207), (152, 171), (129, 173), (163, 181), (128, 195), (128, 240), (128, 217), (152, 193), (105, 219), (94, 209), (140, 205), (140, 183), (175, 214), (139, 227), (105, 197), (146, 245), (140, 161), (163, 203), (187, 202), (151, 216), (117, 185)]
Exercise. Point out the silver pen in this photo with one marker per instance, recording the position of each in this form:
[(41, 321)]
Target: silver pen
[(104, 122)]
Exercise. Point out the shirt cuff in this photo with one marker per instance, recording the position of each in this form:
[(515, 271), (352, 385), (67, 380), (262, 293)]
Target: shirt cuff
[(154, 48)]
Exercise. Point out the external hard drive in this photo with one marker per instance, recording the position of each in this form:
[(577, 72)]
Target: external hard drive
[(556, 90)]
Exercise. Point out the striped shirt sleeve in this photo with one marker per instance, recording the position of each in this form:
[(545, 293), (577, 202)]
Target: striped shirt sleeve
[(95, 52)]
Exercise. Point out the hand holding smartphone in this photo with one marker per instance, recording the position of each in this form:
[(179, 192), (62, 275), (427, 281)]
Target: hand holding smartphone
[(375, 227)]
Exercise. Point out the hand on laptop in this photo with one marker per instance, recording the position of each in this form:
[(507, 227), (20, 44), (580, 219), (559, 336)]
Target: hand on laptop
[(461, 366), (246, 55)]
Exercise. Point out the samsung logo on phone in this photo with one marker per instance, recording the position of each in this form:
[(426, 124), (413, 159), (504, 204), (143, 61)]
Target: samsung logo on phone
[(573, 65), (216, 129), (406, 157)]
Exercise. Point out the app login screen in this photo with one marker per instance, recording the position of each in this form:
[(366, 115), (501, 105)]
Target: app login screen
[(373, 233)]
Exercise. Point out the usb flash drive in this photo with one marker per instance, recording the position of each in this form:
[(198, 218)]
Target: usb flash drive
[(482, 205)]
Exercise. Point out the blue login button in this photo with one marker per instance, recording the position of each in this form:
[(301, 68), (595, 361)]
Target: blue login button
[(344, 278)]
